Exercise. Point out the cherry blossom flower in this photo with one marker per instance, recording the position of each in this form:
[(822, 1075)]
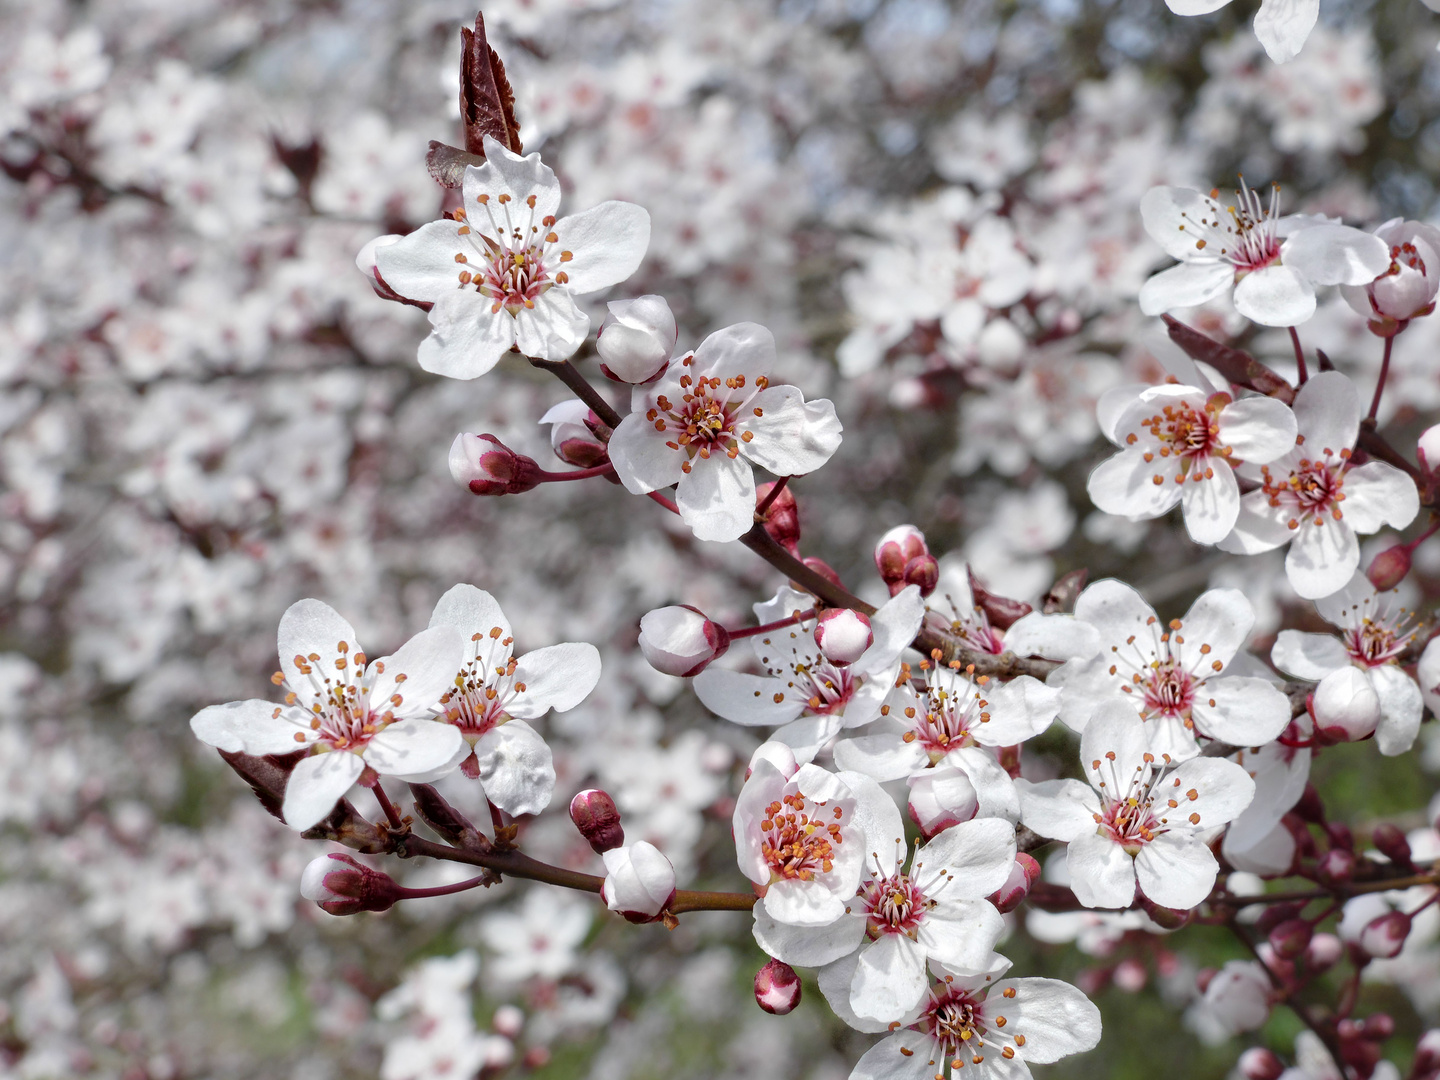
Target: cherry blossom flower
[(349, 715), (988, 1029), (952, 606), (899, 921), (1407, 289), (1315, 497), (1272, 263), (493, 693), (812, 697), (519, 268), (710, 417), (1375, 632), (1172, 674), (1140, 817), (1178, 445)]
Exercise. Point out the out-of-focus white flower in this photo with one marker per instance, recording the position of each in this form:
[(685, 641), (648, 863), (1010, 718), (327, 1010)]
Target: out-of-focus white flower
[(639, 881), (46, 69), (492, 693), (1139, 817), (1281, 26), (1407, 289), (708, 419), (976, 150), (348, 715), (519, 268), (636, 338), (1314, 497), (1272, 263), (1238, 996), (542, 937)]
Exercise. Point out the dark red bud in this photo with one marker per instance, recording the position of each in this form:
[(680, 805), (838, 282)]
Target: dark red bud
[(821, 567), (1310, 808), (923, 570), (488, 467), (1275, 914), (582, 453), (1340, 835), (1391, 842), (595, 815), (777, 988), (1000, 610), (1336, 866), (342, 886), (1164, 917), (782, 516), (1291, 938), (1379, 1027), (1259, 1063), (1389, 568)]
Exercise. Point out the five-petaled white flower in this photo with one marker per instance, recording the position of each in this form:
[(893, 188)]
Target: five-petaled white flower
[(1375, 631), (1178, 445), (710, 417), (494, 693), (899, 921), (812, 697), (972, 1026), (1316, 498), (1172, 674), (1141, 816), (1273, 263), (350, 716), (504, 271)]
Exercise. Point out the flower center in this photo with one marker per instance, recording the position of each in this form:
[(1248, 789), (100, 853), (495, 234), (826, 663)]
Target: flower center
[(1406, 255), (514, 269), (798, 839), (1312, 490), (1135, 810), (1160, 675), (342, 715), (704, 420), (1373, 643), (952, 708), (483, 687), (894, 905), (1244, 235), (827, 688), (1170, 690)]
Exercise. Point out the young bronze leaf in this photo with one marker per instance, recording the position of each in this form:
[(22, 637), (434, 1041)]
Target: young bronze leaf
[(487, 104)]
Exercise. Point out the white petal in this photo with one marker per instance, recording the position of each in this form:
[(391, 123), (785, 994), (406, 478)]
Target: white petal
[(1211, 504), (1258, 429), (746, 349), (1019, 710), (1058, 809), (878, 820), (1308, 656), (981, 853), (311, 627), (466, 339), (642, 460), (251, 727), (1056, 1019), (1401, 708), (747, 699), (608, 242), (802, 903), (553, 329), (961, 934), (1117, 739), (1111, 407), (1114, 609), (474, 611), (1176, 870), (1189, 284), (516, 768), (881, 757), (421, 266), (316, 784), (995, 793), (1166, 212), (1125, 484), (558, 677), (1101, 874), (1259, 527), (1275, 296), (808, 946), (889, 978), (418, 673), (1222, 789), (1193, 7), (884, 1061), (1376, 495), (894, 626), (1246, 712), (717, 498), (1330, 254), (1322, 558), (1055, 637), (1220, 618), (834, 980), (413, 747), (792, 437), (507, 173), (1327, 410)]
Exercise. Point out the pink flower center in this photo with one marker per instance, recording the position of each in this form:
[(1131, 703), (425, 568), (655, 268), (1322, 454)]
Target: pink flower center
[(1406, 255), (518, 267), (1137, 809), (1244, 235), (967, 1028), (1312, 490), (705, 418), (1160, 674), (483, 687), (951, 709), (342, 715), (827, 689), (893, 905), (800, 837), (1374, 643)]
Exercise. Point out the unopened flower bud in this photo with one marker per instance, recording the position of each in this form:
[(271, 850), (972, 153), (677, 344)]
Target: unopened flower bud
[(1130, 976), (1385, 936), (1259, 1063), (1389, 568), (1291, 938), (342, 886), (509, 1020), (1407, 289), (595, 815), (1427, 1056), (923, 570), (777, 754), (1428, 449), (1336, 866), (1345, 705), (1391, 842), (1323, 953), (639, 881), (1002, 611), (571, 435), (1340, 835), (777, 988), (1023, 874), (941, 797), (843, 635), (1164, 917), (1379, 1027), (782, 516), (636, 339), (824, 569), (488, 467), (680, 640), (894, 553)]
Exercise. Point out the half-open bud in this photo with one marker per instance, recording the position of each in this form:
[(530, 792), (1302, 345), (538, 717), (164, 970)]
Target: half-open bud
[(843, 635), (572, 435), (894, 554), (636, 339), (1345, 706), (488, 467), (777, 988), (941, 797), (342, 886), (1385, 936), (1323, 953), (639, 881), (1391, 842), (1260, 1063), (680, 640), (923, 570), (1389, 568), (595, 815), (1336, 866), (782, 516), (1023, 874), (1291, 938)]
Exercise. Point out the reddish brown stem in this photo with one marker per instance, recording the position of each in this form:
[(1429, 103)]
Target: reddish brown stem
[(771, 496)]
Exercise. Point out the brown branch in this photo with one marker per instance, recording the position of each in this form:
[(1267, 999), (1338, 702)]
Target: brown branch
[(1237, 366), (567, 373)]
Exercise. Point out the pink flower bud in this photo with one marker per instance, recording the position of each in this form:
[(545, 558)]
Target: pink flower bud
[(923, 570), (636, 339), (1389, 568), (1428, 449), (777, 988), (894, 552), (1407, 289), (1384, 937), (595, 815), (782, 516), (777, 754), (843, 635), (1238, 996), (1345, 706), (1023, 874), (1391, 842), (1323, 953), (1336, 866), (680, 640), (1258, 1063), (1291, 938), (488, 467), (1427, 1056), (941, 797), (639, 881), (509, 1020), (1379, 1027), (1130, 976), (342, 886), (824, 569), (572, 436)]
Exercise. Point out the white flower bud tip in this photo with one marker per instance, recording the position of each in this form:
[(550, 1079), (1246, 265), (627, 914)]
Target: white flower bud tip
[(1428, 448), (639, 881), (777, 988), (778, 754), (636, 339), (941, 797), (1345, 705), (843, 635), (680, 640), (1384, 937)]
